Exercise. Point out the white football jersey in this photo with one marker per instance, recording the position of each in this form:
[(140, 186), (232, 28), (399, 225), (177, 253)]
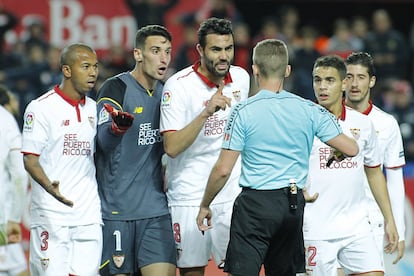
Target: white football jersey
[(340, 209), (62, 132), (185, 95)]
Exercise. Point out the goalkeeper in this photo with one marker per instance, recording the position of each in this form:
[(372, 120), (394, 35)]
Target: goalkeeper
[(137, 232)]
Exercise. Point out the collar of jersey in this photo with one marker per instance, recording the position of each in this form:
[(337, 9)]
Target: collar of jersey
[(369, 108), (66, 98), (209, 83)]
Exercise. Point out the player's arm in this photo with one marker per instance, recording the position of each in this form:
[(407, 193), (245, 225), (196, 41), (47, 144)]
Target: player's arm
[(378, 186), (19, 182), (396, 191), (345, 144), (33, 167), (219, 175), (113, 122), (178, 141), (17, 194)]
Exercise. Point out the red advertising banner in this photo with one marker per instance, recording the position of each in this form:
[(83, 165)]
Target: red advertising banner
[(98, 23)]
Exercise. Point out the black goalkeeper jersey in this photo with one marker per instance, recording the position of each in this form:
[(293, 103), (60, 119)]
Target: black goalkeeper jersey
[(129, 170)]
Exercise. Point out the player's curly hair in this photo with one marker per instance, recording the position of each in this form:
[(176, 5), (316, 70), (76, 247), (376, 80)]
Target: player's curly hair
[(213, 25)]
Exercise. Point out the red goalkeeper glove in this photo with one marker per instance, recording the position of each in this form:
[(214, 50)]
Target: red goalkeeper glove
[(121, 121)]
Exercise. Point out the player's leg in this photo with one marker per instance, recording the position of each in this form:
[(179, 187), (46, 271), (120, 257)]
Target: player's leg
[(118, 255), (192, 247), (321, 257), (49, 250), (220, 233), (86, 241), (156, 248)]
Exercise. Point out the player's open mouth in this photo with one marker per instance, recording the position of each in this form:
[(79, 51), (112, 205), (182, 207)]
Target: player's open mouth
[(162, 70), (322, 96)]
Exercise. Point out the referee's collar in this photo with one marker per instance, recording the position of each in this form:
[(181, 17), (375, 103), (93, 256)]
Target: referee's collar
[(66, 98), (209, 83), (343, 111)]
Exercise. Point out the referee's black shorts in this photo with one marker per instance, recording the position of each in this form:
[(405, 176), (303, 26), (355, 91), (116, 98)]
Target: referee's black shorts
[(265, 231)]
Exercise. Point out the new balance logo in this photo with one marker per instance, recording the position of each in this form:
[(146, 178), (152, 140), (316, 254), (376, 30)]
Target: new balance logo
[(65, 123)]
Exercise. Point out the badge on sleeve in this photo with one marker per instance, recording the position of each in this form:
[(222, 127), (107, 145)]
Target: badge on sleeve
[(166, 99), (28, 122), (103, 116)]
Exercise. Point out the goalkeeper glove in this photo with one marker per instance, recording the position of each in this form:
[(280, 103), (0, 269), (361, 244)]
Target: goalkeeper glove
[(121, 121)]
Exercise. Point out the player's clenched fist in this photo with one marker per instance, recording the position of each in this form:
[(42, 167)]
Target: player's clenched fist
[(121, 121)]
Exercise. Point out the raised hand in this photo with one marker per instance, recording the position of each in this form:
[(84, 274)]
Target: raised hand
[(121, 121), (218, 101)]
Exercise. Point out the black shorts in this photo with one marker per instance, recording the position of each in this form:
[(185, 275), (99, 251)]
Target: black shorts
[(130, 245), (265, 231)]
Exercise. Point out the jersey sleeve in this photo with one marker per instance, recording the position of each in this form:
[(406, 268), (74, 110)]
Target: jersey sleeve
[(394, 150), (35, 129), (173, 105), (326, 127), (111, 92)]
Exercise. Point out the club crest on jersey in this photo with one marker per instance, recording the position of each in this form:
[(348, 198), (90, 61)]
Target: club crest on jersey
[(44, 262), (356, 133), (166, 99), (103, 116), (28, 122), (118, 260), (236, 95)]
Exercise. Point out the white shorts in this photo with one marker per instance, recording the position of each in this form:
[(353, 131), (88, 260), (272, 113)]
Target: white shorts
[(63, 250), (356, 254), (376, 222), (193, 248), (12, 259)]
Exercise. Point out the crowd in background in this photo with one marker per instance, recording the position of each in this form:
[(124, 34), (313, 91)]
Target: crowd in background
[(31, 65)]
